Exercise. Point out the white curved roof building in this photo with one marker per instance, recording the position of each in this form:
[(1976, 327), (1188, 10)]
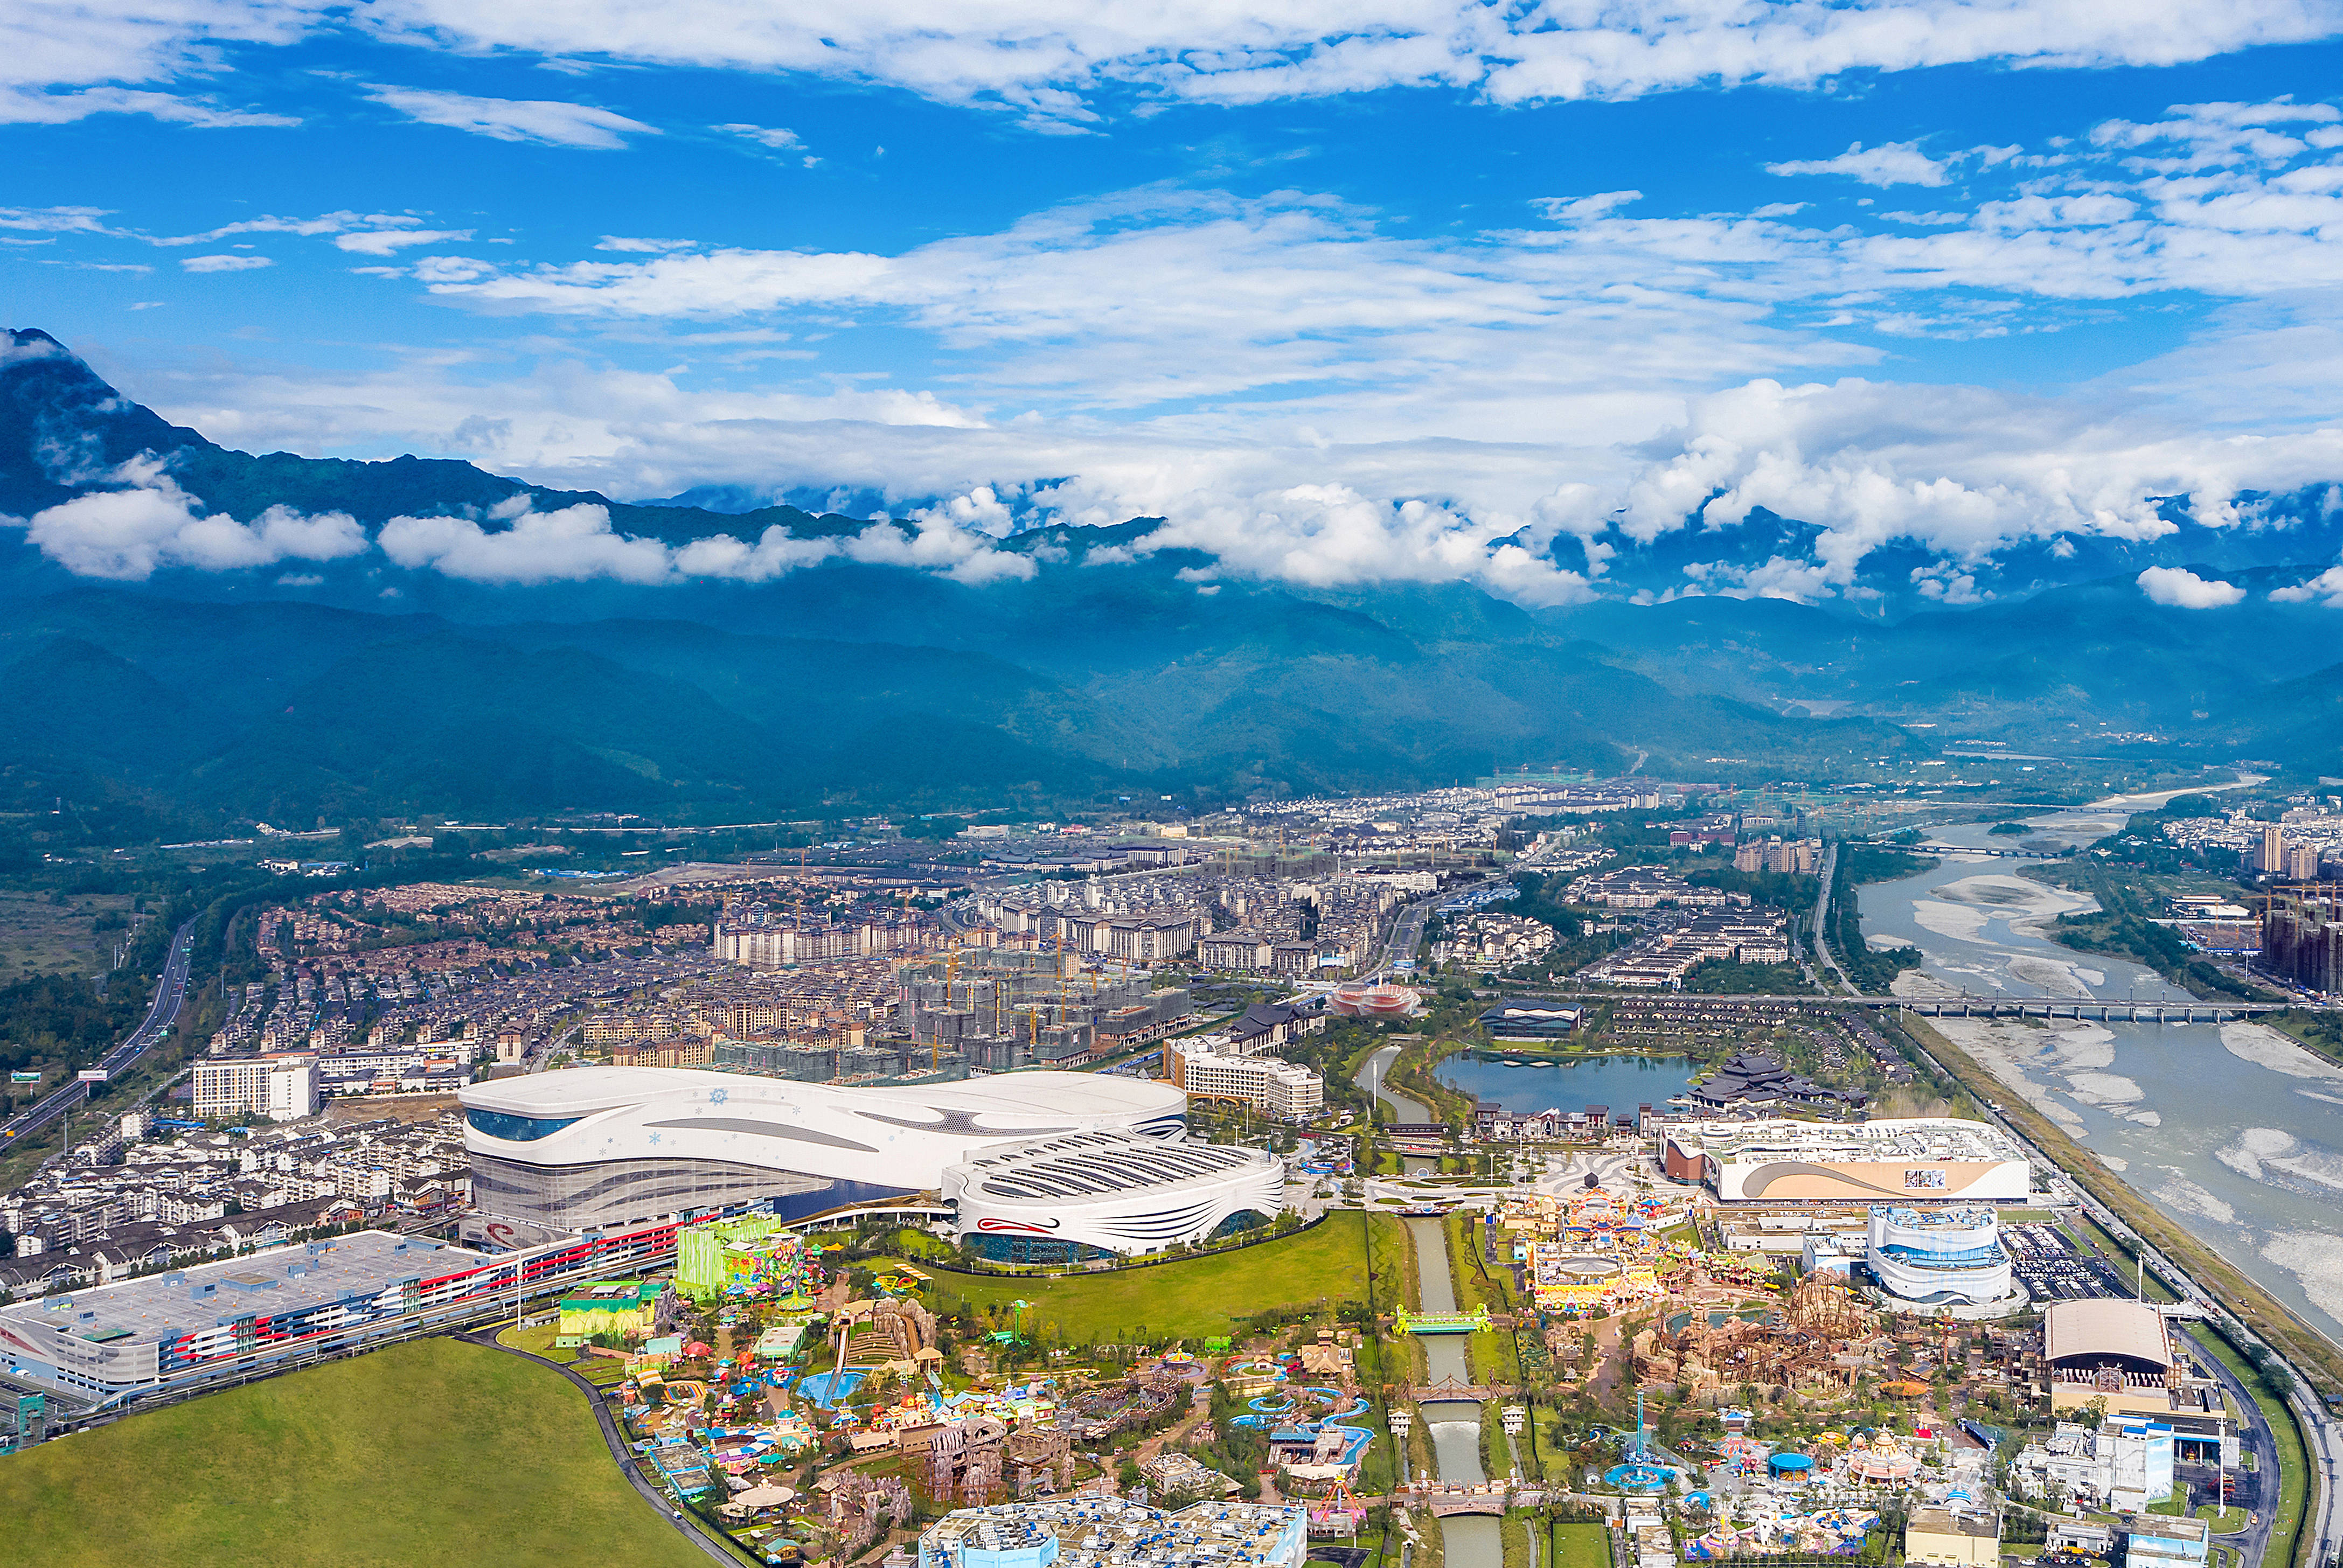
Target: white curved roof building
[(1940, 1255), (1088, 1194), (598, 1146)]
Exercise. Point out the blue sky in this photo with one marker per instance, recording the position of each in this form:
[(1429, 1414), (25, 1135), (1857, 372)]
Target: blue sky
[(1348, 293)]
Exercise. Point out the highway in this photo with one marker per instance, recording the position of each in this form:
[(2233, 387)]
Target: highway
[(1823, 954), (162, 1012)]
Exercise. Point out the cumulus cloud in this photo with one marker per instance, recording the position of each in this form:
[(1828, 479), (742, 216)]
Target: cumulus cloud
[(1316, 395), (572, 545), (224, 263), (1889, 163), (578, 543), (127, 535), (546, 121), (2327, 586), (2183, 590)]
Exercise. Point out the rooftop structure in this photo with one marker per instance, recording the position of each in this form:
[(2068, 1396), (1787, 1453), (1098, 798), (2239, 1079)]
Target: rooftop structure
[(2111, 1349), (163, 1328), (1903, 1159), (1094, 1195), (1953, 1538), (611, 1145), (1095, 1532), (2107, 1331)]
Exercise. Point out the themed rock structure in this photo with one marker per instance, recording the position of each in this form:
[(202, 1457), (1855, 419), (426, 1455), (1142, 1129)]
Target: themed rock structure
[(1811, 1346)]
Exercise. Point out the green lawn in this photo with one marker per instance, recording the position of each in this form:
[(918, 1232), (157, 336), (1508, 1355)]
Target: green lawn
[(1199, 1298), (1580, 1546), (427, 1453)]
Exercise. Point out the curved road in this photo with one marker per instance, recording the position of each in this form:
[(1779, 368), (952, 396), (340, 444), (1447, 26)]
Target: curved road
[(170, 995), (687, 1523)]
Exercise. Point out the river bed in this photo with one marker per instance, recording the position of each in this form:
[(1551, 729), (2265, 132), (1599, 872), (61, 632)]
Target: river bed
[(2234, 1130)]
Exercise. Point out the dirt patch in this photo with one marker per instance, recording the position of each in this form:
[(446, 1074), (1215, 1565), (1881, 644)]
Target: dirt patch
[(341, 1110)]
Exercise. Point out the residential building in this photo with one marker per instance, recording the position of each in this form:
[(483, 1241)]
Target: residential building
[(282, 1088), (1274, 1087)]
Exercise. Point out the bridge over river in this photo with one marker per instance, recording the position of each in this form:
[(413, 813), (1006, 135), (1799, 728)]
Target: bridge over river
[(1976, 1006)]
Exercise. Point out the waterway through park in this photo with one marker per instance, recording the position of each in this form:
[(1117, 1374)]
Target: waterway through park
[(1467, 1541), (2232, 1129)]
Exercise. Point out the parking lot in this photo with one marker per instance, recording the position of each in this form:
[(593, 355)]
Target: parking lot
[(2052, 1268)]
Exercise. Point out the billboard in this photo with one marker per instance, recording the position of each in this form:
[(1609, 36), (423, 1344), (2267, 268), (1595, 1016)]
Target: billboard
[(92, 1075), (24, 1078)]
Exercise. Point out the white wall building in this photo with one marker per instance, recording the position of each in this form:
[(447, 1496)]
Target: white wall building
[(1935, 1256), (282, 1088), (1274, 1087), (612, 1145)]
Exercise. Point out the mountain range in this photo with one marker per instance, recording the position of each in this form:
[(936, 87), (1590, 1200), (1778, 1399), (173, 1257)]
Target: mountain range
[(343, 684)]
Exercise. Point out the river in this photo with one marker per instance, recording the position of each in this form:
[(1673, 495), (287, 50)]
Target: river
[(2232, 1129), (1467, 1541)]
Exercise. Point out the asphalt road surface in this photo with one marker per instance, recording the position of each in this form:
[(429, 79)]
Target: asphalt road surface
[(170, 995)]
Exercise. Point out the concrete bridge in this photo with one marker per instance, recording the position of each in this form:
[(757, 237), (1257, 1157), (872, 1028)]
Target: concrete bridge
[(1973, 1006), (1449, 1388), (1491, 1499), (2045, 1007)]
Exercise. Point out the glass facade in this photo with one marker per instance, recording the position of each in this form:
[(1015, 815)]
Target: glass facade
[(518, 1129), (622, 1191)]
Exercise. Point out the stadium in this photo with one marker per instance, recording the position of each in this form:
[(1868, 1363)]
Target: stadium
[(557, 1152), (1092, 1194), (1373, 1001)]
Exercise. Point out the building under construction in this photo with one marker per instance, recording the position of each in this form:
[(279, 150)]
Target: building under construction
[(1003, 1009), (2302, 940)]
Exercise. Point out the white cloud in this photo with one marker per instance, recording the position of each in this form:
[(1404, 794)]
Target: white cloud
[(1045, 63), (384, 241), (127, 534), (1889, 163), (55, 219), (23, 107), (550, 122), (572, 545), (1041, 62), (1314, 395), (773, 136), (325, 223), (224, 263), (2183, 590), (2327, 586)]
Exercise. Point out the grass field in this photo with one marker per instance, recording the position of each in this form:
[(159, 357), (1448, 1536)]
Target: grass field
[(1580, 1546), (2293, 1463), (38, 935), (427, 1453), (1196, 1299)]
